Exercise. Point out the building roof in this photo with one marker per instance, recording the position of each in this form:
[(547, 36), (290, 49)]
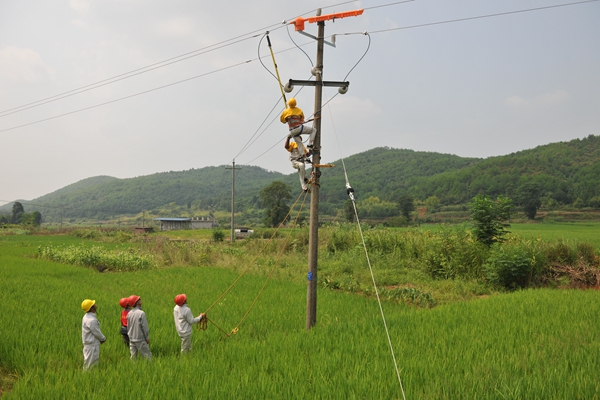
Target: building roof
[(173, 219)]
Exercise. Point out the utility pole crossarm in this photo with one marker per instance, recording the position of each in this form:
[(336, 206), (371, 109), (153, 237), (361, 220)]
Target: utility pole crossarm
[(299, 22), (294, 82)]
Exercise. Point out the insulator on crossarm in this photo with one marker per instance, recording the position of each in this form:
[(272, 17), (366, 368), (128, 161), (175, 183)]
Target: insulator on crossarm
[(288, 87)]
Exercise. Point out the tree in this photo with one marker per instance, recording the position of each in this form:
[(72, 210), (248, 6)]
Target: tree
[(490, 217), (34, 218), (273, 199), (432, 203), (528, 196), (406, 205), (17, 212)]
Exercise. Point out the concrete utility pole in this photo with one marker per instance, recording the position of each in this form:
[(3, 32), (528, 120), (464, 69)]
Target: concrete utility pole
[(318, 83), (233, 168), (313, 240)]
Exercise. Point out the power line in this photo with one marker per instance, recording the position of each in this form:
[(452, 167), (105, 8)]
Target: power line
[(126, 97), (389, 4), (350, 33), (480, 16), (148, 68), (130, 74), (112, 80)]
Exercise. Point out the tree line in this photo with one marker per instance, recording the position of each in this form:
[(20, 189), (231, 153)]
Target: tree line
[(20, 217), (554, 175)]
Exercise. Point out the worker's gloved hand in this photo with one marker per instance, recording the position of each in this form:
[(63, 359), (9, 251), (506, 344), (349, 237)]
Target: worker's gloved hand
[(289, 136)]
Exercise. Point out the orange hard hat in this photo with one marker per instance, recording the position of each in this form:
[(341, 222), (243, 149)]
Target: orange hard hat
[(124, 302), (180, 299), (133, 299)]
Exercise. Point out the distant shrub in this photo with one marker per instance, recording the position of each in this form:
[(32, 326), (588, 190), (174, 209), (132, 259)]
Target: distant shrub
[(587, 253), (409, 295), (509, 266), (218, 235), (561, 253), (454, 252), (86, 233), (264, 233), (122, 236), (98, 258)]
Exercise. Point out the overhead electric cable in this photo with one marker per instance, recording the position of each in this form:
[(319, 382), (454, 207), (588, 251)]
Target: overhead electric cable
[(480, 16), (147, 68), (257, 129), (260, 58), (307, 56), (129, 74), (350, 33), (247, 145), (388, 5), (139, 93)]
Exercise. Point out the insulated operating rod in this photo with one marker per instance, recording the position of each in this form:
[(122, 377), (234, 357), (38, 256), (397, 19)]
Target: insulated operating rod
[(277, 72)]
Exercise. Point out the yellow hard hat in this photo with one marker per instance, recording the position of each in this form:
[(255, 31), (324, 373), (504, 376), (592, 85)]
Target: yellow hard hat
[(292, 102), (87, 304)]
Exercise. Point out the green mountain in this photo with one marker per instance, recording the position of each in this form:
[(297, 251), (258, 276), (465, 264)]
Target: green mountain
[(106, 197), (565, 173)]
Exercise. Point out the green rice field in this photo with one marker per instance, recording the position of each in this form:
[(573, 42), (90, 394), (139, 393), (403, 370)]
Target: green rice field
[(528, 344), (568, 232)]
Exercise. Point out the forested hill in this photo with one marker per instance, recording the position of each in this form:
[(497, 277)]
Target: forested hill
[(565, 173), (385, 172), (107, 197)]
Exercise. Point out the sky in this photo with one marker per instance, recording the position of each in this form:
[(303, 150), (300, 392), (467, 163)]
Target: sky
[(86, 88)]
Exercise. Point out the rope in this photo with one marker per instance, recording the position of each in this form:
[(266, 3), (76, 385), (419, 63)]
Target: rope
[(255, 258), (202, 325), (350, 192), (274, 265)]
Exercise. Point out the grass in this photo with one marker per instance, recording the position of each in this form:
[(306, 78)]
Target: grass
[(534, 344), (567, 232)]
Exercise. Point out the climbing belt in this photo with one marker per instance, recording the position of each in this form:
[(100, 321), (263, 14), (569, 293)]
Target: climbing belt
[(236, 329)]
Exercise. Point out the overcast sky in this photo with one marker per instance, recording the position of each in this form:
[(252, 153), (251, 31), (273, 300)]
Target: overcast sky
[(475, 88)]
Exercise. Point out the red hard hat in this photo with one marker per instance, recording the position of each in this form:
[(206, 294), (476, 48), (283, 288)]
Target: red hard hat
[(124, 302), (133, 299), (180, 299)]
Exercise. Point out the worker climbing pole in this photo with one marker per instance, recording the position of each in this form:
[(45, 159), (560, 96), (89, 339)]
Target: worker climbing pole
[(318, 83)]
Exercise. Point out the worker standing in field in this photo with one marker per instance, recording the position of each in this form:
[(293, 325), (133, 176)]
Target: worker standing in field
[(91, 335), (125, 303), (137, 330), (184, 319), (294, 117)]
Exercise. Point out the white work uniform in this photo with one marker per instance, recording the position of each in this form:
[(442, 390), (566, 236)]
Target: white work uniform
[(303, 130), (296, 157), (183, 323), (91, 337), (139, 333)]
